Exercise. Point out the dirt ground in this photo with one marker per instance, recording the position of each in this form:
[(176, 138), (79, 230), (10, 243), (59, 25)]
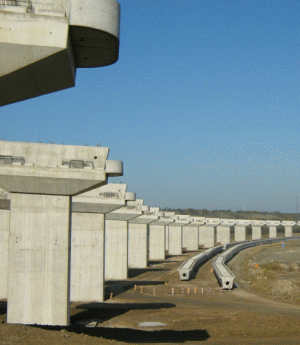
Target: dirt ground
[(241, 316)]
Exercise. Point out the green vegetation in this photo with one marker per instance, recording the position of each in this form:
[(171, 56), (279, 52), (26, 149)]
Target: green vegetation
[(236, 214)]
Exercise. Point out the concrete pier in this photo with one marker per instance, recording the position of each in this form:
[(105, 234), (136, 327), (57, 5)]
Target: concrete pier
[(138, 238), (171, 216), (288, 228), (87, 241), (190, 234), (240, 229), (207, 235), (116, 241), (41, 179), (223, 234), (175, 234), (273, 225), (4, 235), (256, 228), (157, 237)]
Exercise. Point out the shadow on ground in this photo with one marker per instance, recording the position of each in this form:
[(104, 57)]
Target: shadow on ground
[(106, 311), (129, 335), (133, 272)]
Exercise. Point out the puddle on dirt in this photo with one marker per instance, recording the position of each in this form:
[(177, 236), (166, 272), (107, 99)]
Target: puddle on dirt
[(152, 324)]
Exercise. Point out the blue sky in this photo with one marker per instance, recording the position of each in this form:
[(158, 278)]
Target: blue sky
[(203, 106)]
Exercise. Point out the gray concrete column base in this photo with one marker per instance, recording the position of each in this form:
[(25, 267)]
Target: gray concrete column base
[(4, 234), (87, 257), (256, 232), (175, 240), (116, 250), (157, 242), (137, 245), (239, 233), (288, 231), (39, 256)]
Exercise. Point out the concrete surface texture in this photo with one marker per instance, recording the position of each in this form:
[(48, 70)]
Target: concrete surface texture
[(207, 235), (256, 232), (288, 227), (273, 225), (239, 233), (213, 221), (223, 234), (138, 239), (47, 40), (42, 177), (116, 241), (243, 222), (157, 238), (87, 241), (175, 235), (54, 169), (288, 231), (190, 236), (38, 275), (87, 257), (228, 221), (4, 234)]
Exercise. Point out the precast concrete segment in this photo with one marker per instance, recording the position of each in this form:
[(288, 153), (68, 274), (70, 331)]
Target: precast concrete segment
[(213, 221), (41, 178), (138, 239), (207, 235), (190, 236), (223, 234), (228, 222), (188, 266), (157, 238), (175, 237), (224, 275), (43, 42), (116, 242), (4, 235), (38, 268), (53, 169)]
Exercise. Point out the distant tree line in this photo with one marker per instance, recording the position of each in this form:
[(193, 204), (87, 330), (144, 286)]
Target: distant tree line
[(241, 214)]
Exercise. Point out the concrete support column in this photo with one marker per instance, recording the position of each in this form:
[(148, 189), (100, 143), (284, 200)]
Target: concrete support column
[(167, 238), (256, 232), (175, 240), (87, 259), (4, 235), (116, 249), (157, 241), (223, 234), (39, 272), (239, 233), (272, 231), (207, 236), (190, 237), (41, 180), (137, 245), (288, 231)]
